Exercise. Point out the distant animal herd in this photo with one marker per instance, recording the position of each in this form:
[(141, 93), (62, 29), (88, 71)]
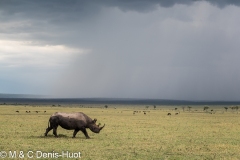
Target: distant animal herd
[(144, 112), (134, 112), (169, 114), (32, 111)]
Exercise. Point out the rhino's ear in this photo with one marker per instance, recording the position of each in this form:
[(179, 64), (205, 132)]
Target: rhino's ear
[(95, 120)]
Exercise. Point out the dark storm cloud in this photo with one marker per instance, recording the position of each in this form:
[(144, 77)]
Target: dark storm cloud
[(66, 15), (54, 7), (137, 48), (68, 12), (223, 3), (144, 5)]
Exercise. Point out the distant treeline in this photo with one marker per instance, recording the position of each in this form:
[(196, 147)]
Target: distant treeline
[(111, 101)]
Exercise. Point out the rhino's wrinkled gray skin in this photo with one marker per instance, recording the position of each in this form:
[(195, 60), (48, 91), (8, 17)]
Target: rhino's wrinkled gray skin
[(72, 121)]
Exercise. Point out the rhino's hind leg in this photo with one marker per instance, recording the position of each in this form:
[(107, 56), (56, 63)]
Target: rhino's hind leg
[(75, 132), (54, 122), (47, 130), (55, 131), (85, 132)]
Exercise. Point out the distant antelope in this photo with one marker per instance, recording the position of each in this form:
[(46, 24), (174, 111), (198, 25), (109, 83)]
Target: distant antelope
[(17, 111)]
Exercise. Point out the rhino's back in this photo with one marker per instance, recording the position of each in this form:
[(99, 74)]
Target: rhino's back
[(77, 115)]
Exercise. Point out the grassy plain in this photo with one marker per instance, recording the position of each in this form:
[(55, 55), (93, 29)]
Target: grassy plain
[(194, 134)]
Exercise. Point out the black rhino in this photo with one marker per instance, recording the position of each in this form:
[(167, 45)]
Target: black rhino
[(72, 121)]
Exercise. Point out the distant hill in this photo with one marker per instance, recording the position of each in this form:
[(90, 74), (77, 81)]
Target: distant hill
[(37, 99), (2, 95)]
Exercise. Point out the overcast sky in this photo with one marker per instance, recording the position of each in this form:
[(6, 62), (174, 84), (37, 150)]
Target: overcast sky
[(166, 49)]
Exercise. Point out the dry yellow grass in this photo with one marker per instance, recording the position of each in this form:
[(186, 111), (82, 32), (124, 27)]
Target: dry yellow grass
[(189, 135)]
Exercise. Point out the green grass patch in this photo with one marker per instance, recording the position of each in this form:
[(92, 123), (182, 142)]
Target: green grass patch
[(194, 134)]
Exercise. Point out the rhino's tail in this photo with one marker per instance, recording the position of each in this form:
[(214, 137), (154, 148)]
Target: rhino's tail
[(48, 122)]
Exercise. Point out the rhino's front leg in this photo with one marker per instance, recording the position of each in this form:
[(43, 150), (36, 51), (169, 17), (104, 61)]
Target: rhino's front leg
[(85, 132), (75, 132)]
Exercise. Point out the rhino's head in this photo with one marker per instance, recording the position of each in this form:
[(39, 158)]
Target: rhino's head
[(95, 128)]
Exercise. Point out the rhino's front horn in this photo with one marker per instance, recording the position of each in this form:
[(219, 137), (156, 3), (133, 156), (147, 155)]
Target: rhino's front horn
[(101, 127)]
